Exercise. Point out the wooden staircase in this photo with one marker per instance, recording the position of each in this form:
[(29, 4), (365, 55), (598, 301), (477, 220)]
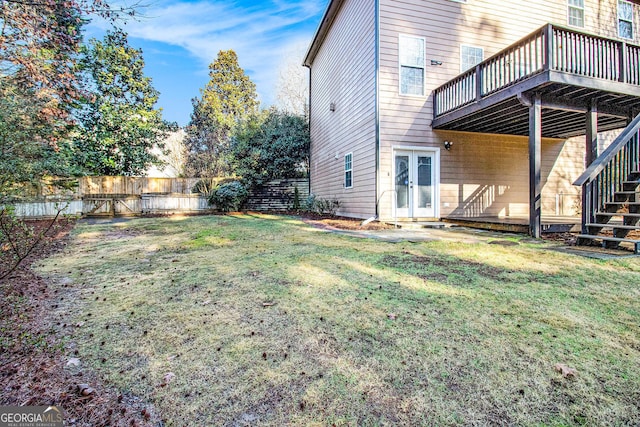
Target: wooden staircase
[(611, 194)]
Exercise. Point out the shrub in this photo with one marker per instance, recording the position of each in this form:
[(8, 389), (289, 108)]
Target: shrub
[(296, 199), (18, 239), (310, 203), (230, 196), (322, 206), (205, 187)]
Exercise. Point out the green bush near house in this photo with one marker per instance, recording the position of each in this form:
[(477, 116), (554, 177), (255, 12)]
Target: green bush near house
[(224, 194), (322, 206), (230, 196)]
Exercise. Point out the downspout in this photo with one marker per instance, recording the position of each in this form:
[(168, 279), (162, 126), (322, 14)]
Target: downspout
[(309, 121), (377, 102)]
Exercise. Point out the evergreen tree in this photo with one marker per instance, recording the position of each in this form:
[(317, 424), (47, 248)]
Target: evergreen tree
[(120, 125), (228, 99), (271, 145)]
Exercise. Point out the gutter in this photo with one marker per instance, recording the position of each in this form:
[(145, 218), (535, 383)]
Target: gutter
[(377, 102), (322, 31)]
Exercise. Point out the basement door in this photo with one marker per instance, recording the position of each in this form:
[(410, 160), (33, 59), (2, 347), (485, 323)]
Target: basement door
[(414, 184)]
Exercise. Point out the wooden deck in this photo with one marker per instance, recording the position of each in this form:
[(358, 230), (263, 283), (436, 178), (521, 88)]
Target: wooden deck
[(571, 71), (557, 83)]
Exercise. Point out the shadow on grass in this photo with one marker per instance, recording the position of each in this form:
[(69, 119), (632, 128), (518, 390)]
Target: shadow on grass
[(456, 271)]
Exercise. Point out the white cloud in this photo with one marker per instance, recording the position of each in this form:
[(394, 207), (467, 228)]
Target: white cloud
[(260, 33)]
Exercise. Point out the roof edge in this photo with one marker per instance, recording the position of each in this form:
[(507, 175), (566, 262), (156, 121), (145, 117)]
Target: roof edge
[(322, 31)]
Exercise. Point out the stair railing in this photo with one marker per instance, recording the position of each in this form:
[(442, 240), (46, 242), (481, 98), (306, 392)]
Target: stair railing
[(605, 176)]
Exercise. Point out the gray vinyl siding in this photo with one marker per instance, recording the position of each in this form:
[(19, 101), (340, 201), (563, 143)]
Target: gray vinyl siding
[(343, 73)]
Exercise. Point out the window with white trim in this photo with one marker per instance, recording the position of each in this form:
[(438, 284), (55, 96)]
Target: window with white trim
[(348, 170), (412, 65), (625, 19), (470, 56), (575, 13)]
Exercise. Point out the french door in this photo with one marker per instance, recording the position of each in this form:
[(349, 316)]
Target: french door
[(415, 177)]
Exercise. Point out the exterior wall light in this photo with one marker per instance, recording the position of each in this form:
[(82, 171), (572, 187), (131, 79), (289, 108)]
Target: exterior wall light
[(448, 145), (332, 107), (434, 62)]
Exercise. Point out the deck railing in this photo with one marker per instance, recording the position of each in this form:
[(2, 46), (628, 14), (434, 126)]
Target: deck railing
[(550, 48), (606, 175)]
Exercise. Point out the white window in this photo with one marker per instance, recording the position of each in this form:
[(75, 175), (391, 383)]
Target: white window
[(625, 19), (348, 170), (470, 56), (575, 13), (412, 65)]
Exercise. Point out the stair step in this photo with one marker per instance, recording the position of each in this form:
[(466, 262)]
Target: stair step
[(628, 192), (631, 182), (621, 214), (614, 225), (635, 243), (623, 203)]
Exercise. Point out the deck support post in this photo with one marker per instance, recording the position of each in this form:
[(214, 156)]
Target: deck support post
[(592, 135), (535, 160), (591, 153)]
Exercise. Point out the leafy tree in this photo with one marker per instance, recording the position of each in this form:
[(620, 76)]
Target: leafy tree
[(227, 100), (271, 145), (40, 42), (39, 45), (26, 151), (120, 125)]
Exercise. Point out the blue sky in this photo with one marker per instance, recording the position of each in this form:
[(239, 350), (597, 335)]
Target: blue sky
[(180, 38)]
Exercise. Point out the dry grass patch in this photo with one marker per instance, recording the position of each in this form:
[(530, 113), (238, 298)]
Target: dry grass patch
[(266, 320)]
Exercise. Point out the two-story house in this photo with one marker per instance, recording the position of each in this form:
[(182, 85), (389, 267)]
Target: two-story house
[(476, 109)]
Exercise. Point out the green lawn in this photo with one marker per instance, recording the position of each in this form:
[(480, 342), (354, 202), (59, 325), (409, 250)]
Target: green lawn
[(267, 321)]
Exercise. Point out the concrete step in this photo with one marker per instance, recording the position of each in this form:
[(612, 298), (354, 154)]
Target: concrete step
[(420, 224)]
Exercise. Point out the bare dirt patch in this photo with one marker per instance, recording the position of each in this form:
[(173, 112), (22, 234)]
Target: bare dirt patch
[(34, 361), (341, 223), (425, 265)]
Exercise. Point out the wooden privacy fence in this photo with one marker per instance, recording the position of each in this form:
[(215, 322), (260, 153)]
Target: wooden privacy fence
[(278, 195), (125, 196), (134, 185)]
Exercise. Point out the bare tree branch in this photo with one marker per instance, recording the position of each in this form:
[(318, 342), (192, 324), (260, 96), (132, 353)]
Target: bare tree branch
[(21, 254)]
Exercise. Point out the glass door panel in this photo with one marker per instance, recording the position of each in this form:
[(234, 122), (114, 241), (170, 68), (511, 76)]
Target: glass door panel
[(402, 185), (423, 187), (414, 178)]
